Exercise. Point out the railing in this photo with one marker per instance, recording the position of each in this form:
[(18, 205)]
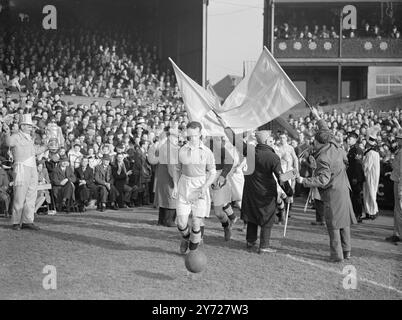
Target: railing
[(329, 48)]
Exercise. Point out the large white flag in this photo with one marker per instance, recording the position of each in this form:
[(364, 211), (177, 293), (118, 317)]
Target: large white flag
[(263, 95), (197, 100), (199, 103)]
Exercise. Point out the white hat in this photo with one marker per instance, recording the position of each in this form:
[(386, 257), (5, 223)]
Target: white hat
[(26, 119), (372, 133)]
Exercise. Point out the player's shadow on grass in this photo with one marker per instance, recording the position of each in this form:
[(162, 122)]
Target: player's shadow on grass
[(165, 234), (151, 233), (102, 243), (288, 244), (121, 220), (357, 232), (153, 275)]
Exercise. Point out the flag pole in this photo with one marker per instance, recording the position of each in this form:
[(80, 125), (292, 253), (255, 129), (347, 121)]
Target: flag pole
[(286, 77)]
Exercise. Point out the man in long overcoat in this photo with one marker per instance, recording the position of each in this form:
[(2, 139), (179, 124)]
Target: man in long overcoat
[(356, 175), (4, 190), (120, 175), (333, 185), (63, 179), (260, 191), (165, 155), (105, 184), (86, 189)]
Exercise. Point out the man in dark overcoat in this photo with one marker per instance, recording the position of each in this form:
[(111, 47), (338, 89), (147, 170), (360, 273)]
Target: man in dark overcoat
[(120, 176), (86, 189), (333, 185), (260, 191), (107, 192), (5, 197), (356, 175), (63, 179)]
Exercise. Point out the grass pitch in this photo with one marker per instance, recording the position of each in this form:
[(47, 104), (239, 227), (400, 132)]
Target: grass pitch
[(125, 255)]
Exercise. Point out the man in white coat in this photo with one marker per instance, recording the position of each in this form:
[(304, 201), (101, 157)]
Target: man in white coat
[(371, 168), (25, 174)]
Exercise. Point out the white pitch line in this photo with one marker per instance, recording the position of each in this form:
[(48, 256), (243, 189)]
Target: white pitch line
[(381, 285), (340, 273), (324, 268)]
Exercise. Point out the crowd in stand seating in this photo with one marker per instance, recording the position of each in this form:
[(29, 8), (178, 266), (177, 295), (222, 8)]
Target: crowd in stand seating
[(289, 32), (77, 61), (104, 147), (42, 67), (343, 124)]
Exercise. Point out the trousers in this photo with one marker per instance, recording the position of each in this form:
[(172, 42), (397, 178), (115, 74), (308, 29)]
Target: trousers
[(397, 212), (23, 208), (339, 242), (265, 234), (319, 210)]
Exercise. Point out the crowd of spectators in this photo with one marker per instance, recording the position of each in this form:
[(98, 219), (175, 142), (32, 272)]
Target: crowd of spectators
[(42, 67), (38, 68), (343, 124), (293, 32), (82, 62)]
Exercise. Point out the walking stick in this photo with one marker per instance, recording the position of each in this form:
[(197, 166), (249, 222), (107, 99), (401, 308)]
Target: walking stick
[(308, 199), (286, 219)]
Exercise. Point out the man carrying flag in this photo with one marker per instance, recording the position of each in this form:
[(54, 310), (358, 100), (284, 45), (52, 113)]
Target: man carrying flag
[(332, 182)]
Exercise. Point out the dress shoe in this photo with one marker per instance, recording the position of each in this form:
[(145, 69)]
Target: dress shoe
[(335, 260), (252, 246), (393, 239), (16, 227), (370, 217), (30, 226), (346, 255), (184, 246), (227, 232), (266, 250)]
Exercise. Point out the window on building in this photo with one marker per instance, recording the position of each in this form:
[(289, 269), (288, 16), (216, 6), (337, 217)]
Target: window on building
[(387, 84)]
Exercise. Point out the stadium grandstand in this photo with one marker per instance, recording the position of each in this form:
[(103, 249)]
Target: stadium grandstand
[(364, 62)]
